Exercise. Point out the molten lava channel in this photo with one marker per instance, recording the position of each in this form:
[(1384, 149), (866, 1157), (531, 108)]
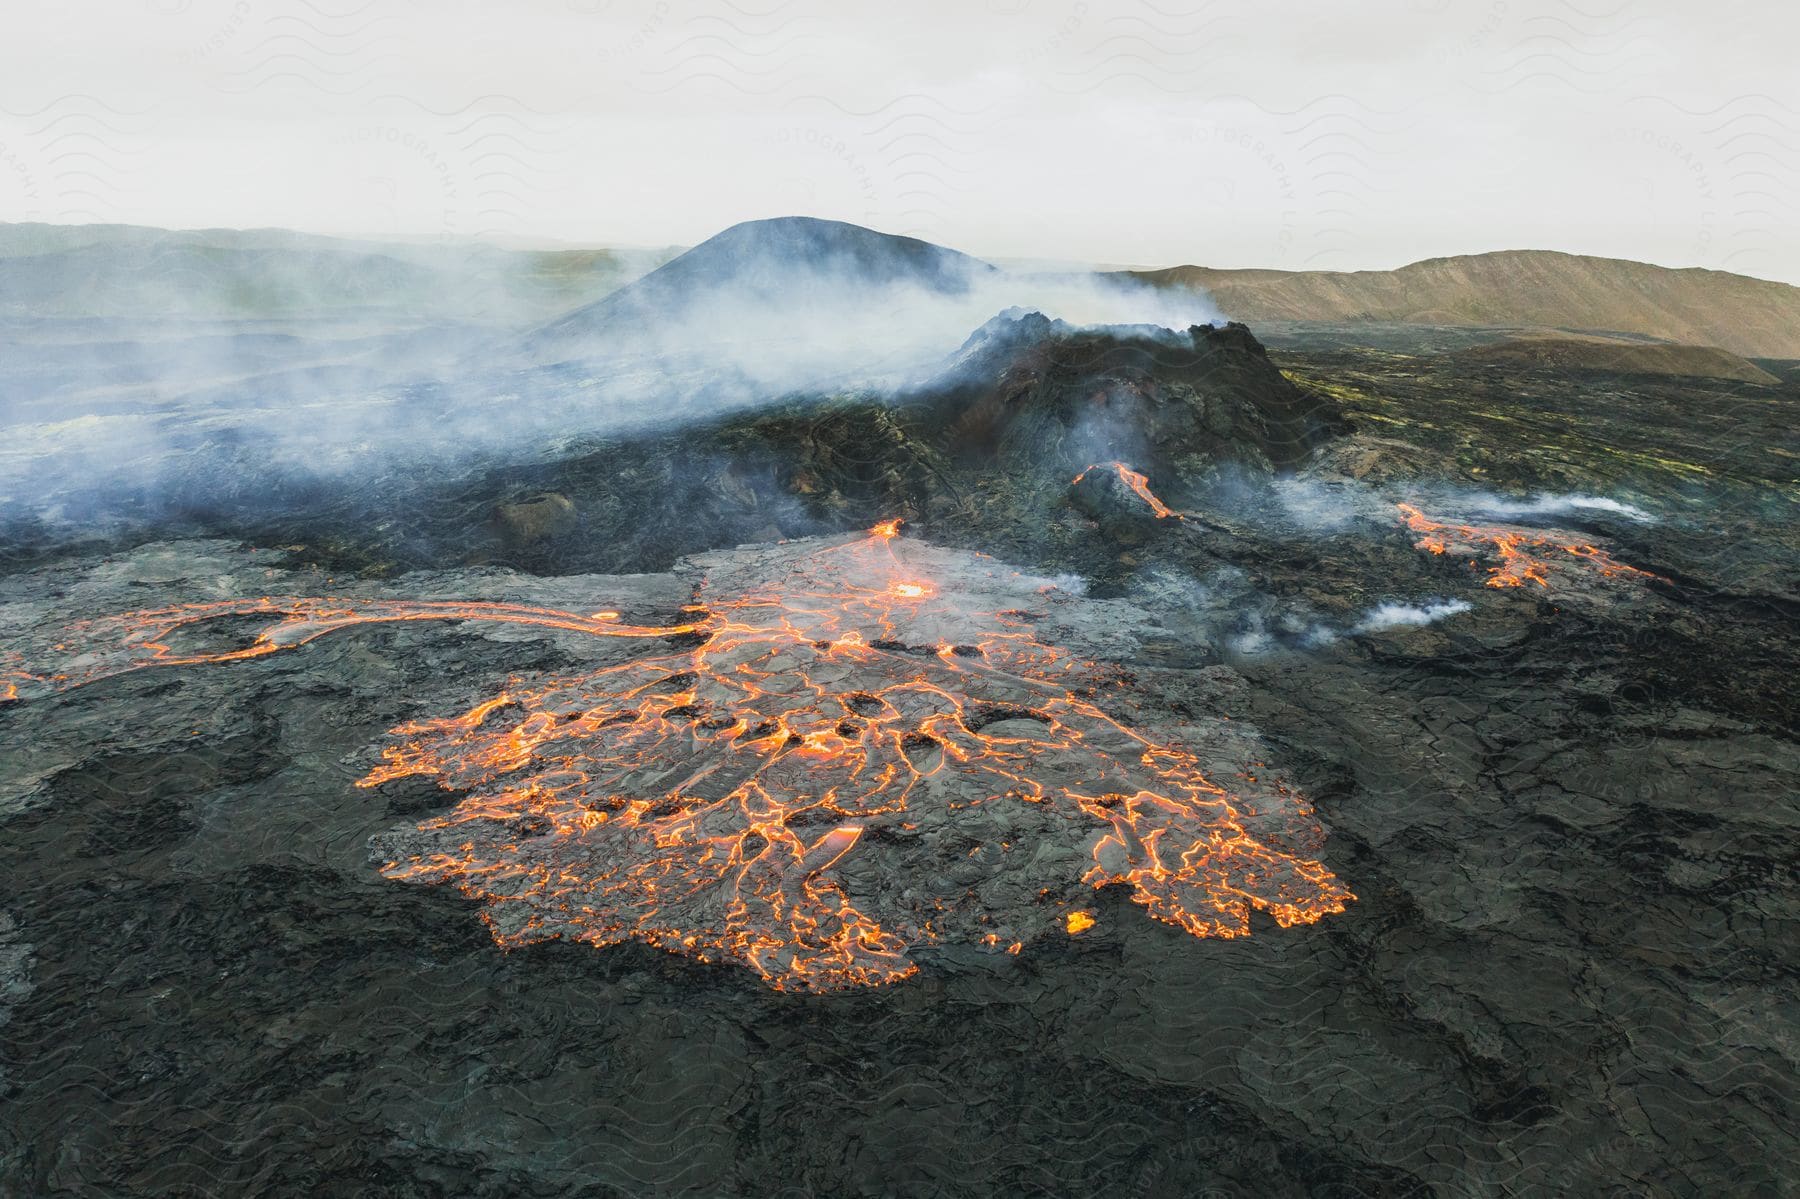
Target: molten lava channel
[(817, 771), (1138, 482)]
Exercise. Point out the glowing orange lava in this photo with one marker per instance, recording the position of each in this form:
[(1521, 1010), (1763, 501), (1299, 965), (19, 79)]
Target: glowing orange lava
[(1138, 483), (1525, 555), (744, 796)]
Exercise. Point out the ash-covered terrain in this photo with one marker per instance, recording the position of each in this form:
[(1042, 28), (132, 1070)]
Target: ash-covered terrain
[(1015, 742)]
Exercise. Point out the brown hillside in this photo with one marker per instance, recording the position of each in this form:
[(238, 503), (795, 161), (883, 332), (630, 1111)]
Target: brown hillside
[(1753, 317)]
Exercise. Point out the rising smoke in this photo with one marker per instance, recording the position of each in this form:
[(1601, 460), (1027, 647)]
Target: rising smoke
[(1262, 633), (1396, 615), (1553, 504), (744, 333), (191, 409)]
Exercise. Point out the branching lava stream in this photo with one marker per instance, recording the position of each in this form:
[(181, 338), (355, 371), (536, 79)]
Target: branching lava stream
[(1525, 556), (811, 775)]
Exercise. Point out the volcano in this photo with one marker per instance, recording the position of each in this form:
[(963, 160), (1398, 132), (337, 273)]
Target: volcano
[(800, 267)]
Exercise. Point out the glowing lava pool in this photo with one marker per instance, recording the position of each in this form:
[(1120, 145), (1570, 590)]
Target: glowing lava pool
[(842, 751)]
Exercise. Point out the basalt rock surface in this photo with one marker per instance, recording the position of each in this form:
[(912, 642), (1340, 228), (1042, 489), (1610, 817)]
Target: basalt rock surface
[(1565, 808)]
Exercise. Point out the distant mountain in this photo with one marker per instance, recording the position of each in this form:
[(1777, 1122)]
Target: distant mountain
[(136, 278), (1752, 317), (236, 274), (793, 267)]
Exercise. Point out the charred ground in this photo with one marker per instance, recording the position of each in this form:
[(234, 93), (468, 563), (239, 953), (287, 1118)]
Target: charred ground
[(1568, 817)]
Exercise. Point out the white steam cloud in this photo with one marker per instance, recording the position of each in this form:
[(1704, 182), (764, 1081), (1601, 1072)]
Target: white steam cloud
[(1260, 635), (1555, 504), (203, 409), (1394, 616), (805, 327), (1326, 507), (1390, 615)]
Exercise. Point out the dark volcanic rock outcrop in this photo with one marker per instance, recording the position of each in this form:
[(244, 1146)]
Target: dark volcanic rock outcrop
[(535, 519), (985, 452), (1036, 393)]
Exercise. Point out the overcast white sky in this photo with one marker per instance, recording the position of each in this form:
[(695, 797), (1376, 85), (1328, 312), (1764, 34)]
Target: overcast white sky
[(1283, 134)]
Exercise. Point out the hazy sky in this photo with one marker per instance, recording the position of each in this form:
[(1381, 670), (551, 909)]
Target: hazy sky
[(1283, 134)]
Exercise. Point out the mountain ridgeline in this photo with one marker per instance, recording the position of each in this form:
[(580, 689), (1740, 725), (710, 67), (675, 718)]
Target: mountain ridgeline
[(1520, 288)]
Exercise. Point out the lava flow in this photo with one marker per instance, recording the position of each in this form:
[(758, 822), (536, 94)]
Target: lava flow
[(1137, 481), (1526, 556), (828, 764), (114, 645)]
